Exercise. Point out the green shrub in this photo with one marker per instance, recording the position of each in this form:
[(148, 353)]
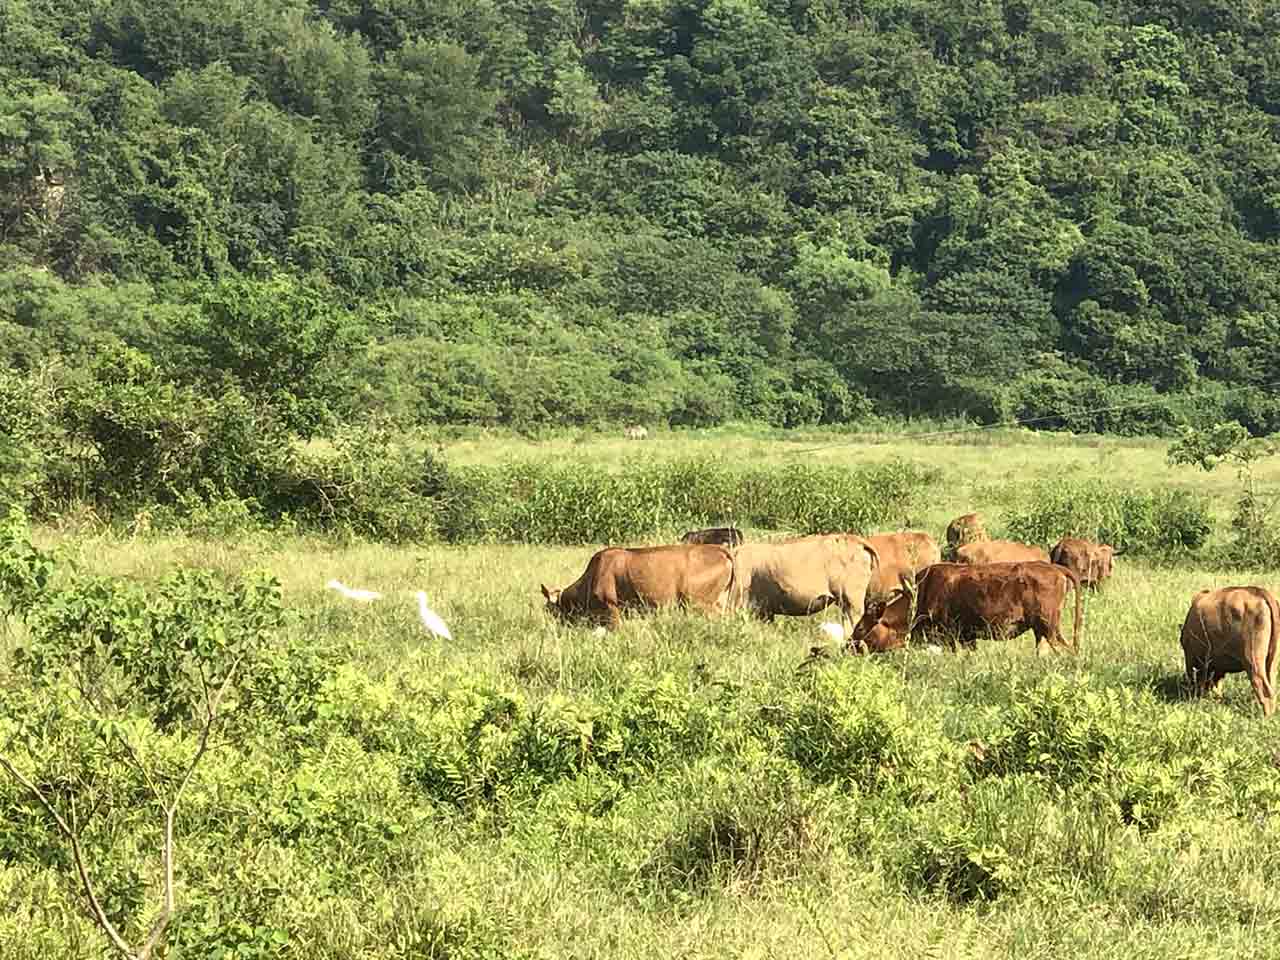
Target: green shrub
[(1159, 522), (1065, 731), (852, 728)]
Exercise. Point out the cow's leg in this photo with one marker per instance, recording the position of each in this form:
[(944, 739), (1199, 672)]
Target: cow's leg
[(1260, 691)]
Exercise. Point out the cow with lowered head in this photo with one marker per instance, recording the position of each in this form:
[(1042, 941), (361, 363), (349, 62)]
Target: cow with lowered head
[(645, 578), (1091, 561), (969, 600)]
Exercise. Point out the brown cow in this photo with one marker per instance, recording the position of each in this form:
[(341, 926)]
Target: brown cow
[(1000, 551), (1232, 630), (1007, 599), (645, 577), (900, 554), (1091, 561), (965, 529), (797, 577), (730, 537)]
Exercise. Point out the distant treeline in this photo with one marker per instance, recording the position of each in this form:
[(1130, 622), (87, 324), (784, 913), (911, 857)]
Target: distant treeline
[(568, 212)]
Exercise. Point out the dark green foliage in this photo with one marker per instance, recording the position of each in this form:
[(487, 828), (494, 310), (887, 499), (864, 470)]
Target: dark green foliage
[(689, 213)]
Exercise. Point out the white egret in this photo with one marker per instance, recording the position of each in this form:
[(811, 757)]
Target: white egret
[(833, 630), (353, 593), (430, 619)]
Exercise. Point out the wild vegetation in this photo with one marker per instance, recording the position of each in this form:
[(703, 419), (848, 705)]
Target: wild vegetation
[(688, 786), (571, 212)]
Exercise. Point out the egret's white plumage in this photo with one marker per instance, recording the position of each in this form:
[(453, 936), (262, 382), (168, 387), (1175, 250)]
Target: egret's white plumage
[(430, 619), (833, 630), (353, 593)]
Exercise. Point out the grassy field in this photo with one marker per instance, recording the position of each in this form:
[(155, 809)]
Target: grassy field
[(687, 787)]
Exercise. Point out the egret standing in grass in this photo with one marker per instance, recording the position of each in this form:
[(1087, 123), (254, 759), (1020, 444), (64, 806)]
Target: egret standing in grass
[(430, 619), (353, 593)]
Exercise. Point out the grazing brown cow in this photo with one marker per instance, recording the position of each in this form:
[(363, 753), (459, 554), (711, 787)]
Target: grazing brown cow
[(1233, 630), (901, 554), (1006, 599), (1091, 561), (645, 577), (965, 529), (726, 536), (1000, 551), (797, 577)]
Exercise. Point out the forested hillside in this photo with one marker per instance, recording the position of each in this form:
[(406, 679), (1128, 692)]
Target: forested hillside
[(527, 212)]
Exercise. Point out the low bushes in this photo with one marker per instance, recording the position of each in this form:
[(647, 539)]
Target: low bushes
[(1156, 522)]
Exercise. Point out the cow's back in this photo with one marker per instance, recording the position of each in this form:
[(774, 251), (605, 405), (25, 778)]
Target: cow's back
[(663, 575), (785, 576), (1000, 551)]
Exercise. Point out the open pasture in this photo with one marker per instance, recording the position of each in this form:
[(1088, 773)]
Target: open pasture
[(689, 786)]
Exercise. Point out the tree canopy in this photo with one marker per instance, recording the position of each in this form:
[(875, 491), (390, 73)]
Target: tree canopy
[(683, 211)]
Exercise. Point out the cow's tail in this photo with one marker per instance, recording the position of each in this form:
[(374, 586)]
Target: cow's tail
[(1275, 641), (727, 602), (1079, 623)]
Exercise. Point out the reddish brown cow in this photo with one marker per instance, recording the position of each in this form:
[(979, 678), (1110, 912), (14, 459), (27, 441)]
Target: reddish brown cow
[(1233, 630), (700, 575), (1006, 599), (901, 554), (1091, 561), (1000, 551)]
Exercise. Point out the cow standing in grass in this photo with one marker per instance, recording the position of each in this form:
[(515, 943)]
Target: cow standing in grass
[(645, 578), (1091, 561), (1232, 630), (901, 555), (1003, 599), (1000, 551), (797, 577)]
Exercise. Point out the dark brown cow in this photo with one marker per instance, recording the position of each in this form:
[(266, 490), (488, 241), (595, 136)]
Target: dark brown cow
[(1000, 551), (965, 529), (1233, 630), (700, 575), (1006, 599), (1091, 561), (725, 536), (901, 554), (797, 577)]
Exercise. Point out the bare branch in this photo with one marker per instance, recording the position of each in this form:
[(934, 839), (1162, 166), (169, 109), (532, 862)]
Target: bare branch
[(95, 908), (31, 787)]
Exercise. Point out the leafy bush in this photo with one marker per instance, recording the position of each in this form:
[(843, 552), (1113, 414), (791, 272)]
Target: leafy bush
[(853, 729), (1062, 730), (552, 503), (1141, 521)]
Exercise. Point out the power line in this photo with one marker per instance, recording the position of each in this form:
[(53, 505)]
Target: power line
[(1007, 424)]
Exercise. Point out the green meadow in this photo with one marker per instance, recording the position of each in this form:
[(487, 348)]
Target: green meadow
[(686, 787)]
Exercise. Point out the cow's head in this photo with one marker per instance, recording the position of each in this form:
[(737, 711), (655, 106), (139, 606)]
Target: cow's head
[(1106, 554), (552, 598)]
